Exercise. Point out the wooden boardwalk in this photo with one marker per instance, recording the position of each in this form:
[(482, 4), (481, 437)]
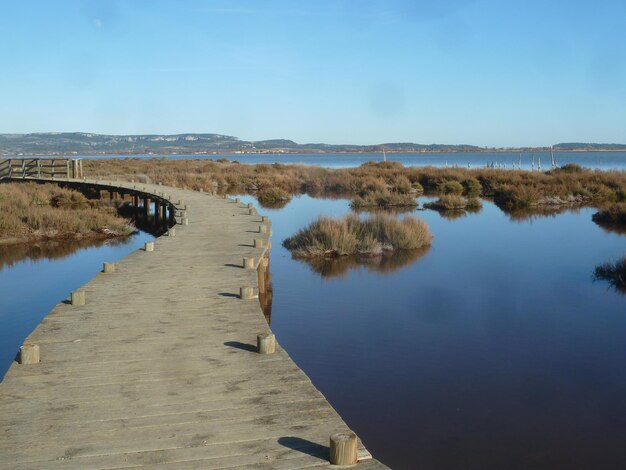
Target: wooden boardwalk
[(159, 368)]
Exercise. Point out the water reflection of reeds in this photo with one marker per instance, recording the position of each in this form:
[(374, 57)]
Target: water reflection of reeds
[(384, 264), (53, 249)]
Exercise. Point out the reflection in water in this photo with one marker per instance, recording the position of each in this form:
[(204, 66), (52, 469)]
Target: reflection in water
[(612, 228), (533, 213), (385, 263), (613, 273), (52, 249), (391, 210), (274, 204)]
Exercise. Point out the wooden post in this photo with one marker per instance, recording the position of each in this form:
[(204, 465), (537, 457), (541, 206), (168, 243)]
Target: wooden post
[(251, 211), (246, 293), (171, 232), (146, 208), (261, 273), (343, 448), (185, 221), (157, 213), (258, 243), (77, 297), (262, 228), (250, 206), (265, 219), (266, 343), (237, 200), (149, 246), (248, 263), (108, 268), (29, 354)]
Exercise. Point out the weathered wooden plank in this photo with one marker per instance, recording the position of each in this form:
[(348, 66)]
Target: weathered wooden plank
[(158, 369)]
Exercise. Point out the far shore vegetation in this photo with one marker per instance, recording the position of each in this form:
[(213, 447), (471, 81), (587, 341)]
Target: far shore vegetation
[(372, 236), (381, 184), (32, 212)]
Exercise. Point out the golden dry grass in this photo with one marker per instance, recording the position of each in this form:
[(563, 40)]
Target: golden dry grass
[(510, 188), (34, 212), (351, 235)]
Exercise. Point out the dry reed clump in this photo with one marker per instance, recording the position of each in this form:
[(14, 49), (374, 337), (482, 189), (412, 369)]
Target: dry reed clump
[(383, 198), (612, 215), (327, 237), (453, 202), (273, 197), (614, 273), (510, 188), (31, 211)]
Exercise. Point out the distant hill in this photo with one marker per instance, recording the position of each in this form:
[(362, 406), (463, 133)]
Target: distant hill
[(81, 143), (89, 144), (588, 146)]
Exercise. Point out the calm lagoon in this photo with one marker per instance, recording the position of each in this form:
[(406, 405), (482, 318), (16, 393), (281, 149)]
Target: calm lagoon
[(493, 349)]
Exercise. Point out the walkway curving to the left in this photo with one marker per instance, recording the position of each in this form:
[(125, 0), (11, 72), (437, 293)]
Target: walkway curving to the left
[(159, 368)]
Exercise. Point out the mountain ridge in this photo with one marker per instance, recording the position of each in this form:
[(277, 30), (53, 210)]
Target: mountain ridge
[(87, 143)]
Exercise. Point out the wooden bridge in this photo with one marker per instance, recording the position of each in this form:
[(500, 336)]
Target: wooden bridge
[(164, 360)]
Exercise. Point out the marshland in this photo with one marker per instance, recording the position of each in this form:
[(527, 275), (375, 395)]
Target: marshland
[(478, 302)]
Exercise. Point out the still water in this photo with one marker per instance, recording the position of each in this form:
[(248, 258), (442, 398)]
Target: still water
[(491, 350), (36, 277), (599, 160)]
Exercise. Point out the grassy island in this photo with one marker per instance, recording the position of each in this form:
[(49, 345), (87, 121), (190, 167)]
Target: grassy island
[(44, 212), (327, 237)]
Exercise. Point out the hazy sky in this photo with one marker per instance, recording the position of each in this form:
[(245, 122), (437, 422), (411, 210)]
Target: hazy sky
[(492, 72)]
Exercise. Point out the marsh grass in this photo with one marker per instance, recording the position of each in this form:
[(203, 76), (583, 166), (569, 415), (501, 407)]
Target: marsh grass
[(383, 198), (614, 273), (511, 189), (35, 212), (452, 202), (615, 215), (327, 237)]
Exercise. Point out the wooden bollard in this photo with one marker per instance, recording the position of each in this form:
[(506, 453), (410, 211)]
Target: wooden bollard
[(180, 202), (108, 268), (185, 221), (171, 232), (77, 297), (29, 354), (266, 343), (224, 196), (262, 228), (251, 211), (250, 206), (343, 449), (149, 246), (248, 263), (258, 243), (246, 293), (265, 219), (237, 200)]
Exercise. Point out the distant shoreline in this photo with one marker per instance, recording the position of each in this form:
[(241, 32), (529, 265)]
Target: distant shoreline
[(299, 152)]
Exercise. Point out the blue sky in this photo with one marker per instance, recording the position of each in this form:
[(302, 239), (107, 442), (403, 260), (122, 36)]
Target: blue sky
[(495, 73)]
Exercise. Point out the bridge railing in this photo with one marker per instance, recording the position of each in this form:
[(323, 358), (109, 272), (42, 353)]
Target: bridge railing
[(41, 168)]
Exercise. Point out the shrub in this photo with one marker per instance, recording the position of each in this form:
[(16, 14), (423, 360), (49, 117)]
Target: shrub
[(450, 187), (383, 199), (448, 202), (272, 197), (472, 186), (351, 235), (612, 215)]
